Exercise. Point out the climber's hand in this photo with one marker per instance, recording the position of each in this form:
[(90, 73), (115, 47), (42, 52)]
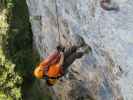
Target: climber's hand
[(61, 59), (60, 48)]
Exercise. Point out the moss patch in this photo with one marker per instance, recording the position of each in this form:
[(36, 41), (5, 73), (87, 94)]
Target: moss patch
[(10, 80)]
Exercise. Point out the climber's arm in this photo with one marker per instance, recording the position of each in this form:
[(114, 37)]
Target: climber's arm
[(61, 59), (44, 63), (49, 59)]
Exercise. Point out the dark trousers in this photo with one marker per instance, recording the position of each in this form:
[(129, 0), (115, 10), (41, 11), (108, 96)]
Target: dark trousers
[(70, 55)]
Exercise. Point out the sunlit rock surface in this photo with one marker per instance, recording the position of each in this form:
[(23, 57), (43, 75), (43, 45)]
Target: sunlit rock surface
[(107, 72)]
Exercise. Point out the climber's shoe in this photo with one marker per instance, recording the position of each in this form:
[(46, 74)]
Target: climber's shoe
[(81, 42), (87, 49), (78, 40)]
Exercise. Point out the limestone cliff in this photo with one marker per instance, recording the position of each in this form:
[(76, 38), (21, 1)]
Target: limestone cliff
[(105, 73)]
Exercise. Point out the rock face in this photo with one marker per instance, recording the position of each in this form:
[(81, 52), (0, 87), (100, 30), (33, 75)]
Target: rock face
[(105, 73)]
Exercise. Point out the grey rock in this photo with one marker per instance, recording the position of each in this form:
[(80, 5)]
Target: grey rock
[(104, 74)]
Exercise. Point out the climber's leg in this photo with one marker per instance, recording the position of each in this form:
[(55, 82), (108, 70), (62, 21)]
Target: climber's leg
[(73, 49), (68, 61), (70, 51)]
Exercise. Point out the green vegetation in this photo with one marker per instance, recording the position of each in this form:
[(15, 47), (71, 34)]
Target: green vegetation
[(10, 81), (17, 56), (19, 48), (5, 4)]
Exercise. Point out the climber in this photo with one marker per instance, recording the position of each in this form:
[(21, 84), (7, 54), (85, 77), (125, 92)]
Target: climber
[(108, 5), (57, 63)]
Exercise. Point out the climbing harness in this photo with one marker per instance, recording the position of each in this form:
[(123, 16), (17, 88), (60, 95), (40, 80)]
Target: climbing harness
[(57, 20)]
